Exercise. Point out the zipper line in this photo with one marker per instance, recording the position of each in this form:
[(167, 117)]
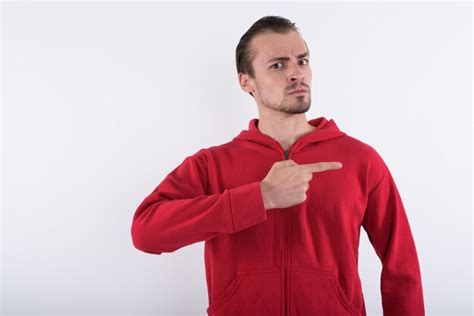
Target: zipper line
[(286, 306)]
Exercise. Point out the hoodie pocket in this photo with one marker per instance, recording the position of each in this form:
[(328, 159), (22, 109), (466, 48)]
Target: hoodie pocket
[(317, 292), (249, 293)]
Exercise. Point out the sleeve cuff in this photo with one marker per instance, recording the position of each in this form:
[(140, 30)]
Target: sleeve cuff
[(246, 206)]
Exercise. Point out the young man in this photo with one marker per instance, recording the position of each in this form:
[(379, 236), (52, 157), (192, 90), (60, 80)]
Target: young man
[(280, 206)]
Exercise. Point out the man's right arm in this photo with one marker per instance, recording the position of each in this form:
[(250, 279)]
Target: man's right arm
[(180, 211)]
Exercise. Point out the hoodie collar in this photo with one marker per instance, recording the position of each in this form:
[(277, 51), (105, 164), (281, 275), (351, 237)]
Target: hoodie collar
[(324, 130)]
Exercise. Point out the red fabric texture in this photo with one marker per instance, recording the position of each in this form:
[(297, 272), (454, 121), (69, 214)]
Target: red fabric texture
[(300, 260)]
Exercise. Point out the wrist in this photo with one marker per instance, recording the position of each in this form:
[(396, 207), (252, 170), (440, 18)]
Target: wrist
[(266, 201)]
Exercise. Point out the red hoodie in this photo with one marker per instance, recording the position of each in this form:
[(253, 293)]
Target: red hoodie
[(300, 260)]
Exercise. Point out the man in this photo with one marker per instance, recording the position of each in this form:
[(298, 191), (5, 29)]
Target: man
[(280, 206)]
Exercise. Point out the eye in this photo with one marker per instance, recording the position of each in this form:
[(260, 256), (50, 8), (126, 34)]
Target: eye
[(279, 63), (306, 61)]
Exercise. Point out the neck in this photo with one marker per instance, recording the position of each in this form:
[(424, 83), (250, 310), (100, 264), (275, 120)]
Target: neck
[(284, 128)]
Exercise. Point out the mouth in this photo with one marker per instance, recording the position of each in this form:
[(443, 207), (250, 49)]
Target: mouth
[(298, 91)]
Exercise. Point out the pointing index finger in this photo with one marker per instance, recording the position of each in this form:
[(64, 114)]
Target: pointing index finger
[(321, 166)]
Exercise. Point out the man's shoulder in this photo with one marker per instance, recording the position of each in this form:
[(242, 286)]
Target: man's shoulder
[(359, 147), (363, 155), (217, 149), (203, 154)]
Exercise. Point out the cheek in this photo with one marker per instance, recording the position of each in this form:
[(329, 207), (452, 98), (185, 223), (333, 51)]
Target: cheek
[(309, 74), (273, 86), (270, 86)]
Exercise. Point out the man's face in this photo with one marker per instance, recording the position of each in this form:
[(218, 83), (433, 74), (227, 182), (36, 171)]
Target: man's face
[(281, 66)]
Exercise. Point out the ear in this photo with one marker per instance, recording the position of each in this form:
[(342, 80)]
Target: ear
[(245, 83)]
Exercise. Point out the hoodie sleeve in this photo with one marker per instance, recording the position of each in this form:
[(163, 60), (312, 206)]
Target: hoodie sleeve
[(179, 211), (387, 227)]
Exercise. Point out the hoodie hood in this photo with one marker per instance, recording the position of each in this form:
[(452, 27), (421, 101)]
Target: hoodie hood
[(324, 130)]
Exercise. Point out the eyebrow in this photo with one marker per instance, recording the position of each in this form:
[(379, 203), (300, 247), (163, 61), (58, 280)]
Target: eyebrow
[(287, 58)]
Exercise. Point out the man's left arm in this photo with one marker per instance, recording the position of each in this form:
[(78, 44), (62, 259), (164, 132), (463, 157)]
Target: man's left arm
[(387, 227)]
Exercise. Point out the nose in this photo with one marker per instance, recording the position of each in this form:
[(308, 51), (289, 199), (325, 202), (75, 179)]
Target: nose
[(295, 73)]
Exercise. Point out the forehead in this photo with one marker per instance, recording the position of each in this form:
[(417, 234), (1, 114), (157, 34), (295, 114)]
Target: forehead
[(270, 45)]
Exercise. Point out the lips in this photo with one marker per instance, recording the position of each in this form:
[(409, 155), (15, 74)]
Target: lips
[(298, 91)]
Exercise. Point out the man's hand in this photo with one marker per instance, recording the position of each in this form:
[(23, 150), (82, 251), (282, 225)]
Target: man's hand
[(286, 183)]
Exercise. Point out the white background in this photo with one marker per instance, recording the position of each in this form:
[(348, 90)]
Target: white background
[(102, 100)]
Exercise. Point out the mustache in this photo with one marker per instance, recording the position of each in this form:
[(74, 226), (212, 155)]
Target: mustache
[(295, 86)]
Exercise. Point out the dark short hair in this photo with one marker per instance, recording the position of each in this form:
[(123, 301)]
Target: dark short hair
[(270, 23)]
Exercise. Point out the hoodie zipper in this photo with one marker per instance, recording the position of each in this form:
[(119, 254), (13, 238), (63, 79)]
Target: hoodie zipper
[(286, 257)]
